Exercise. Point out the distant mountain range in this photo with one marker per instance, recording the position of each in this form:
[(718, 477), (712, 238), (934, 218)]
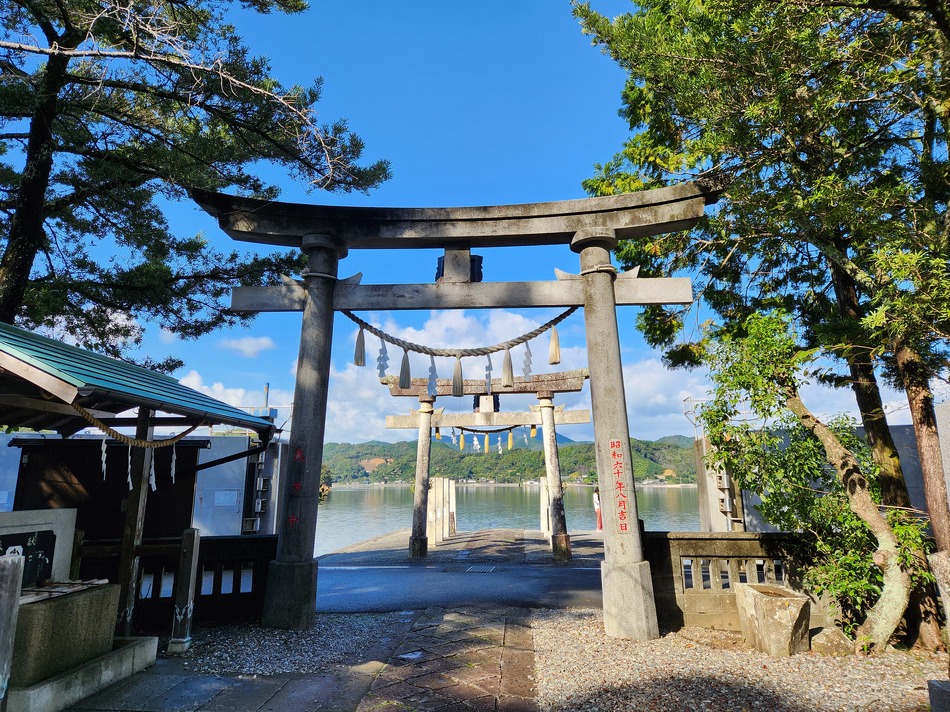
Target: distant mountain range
[(670, 459)]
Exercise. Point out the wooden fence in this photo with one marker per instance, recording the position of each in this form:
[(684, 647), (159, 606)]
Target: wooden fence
[(232, 576)]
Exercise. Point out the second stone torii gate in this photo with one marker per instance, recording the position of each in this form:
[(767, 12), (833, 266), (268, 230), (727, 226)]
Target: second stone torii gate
[(546, 415), (591, 227)]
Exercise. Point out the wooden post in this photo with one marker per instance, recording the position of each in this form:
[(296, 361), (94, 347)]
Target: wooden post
[(185, 584), (438, 487), (446, 496), (11, 574), (560, 541), (419, 541), (141, 463), (453, 526)]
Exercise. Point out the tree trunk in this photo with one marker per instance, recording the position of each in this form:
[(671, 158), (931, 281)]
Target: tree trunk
[(885, 615), (915, 376), (26, 226), (867, 393), (922, 622)]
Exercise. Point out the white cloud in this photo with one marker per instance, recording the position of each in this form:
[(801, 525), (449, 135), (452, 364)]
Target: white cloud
[(237, 396), (655, 398), (249, 346), (358, 405), (166, 337)]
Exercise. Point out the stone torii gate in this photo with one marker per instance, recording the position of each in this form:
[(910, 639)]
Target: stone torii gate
[(544, 414), (591, 227)]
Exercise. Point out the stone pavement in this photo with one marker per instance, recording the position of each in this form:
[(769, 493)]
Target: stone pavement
[(468, 658), (462, 659), (448, 659), (516, 546)]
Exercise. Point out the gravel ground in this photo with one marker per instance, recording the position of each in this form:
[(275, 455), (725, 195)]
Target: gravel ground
[(336, 640), (579, 669)]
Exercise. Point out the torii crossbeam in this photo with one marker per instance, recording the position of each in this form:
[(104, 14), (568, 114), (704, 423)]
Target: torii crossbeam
[(590, 226)]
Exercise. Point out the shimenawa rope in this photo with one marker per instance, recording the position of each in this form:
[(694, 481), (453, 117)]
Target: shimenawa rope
[(125, 439)]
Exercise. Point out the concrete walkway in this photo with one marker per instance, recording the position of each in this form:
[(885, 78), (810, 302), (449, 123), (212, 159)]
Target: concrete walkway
[(515, 546), (445, 658)]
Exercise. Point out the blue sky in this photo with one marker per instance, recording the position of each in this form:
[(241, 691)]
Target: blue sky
[(474, 104)]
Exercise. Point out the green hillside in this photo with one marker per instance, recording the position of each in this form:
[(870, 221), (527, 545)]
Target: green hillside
[(391, 462)]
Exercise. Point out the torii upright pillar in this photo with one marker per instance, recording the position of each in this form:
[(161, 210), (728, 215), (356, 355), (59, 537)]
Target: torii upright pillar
[(418, 540), (629, 608), (290, 600), (560, 540)]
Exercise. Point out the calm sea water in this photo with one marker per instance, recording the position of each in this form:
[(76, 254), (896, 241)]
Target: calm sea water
[(351, 515)]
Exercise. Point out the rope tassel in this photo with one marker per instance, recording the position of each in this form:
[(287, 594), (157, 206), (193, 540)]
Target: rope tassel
[(507, 372), (511, 439), (405, 377), (458, 386), (486, 443), (359, 357), (554, 354)]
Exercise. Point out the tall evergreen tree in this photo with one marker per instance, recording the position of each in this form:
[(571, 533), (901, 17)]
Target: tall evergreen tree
[(830, 126), (829, 123), (109, 108)]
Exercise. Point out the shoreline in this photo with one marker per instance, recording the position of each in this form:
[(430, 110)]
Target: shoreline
[(380, 485)]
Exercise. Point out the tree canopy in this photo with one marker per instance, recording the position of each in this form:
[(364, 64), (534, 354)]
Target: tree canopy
[(829, 123), (111, 108)]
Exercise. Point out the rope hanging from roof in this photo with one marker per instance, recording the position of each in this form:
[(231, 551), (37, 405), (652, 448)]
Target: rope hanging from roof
[(125, 439), (507, 375)]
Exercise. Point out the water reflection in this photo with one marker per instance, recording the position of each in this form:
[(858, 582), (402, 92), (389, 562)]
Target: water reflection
[(351, 515)]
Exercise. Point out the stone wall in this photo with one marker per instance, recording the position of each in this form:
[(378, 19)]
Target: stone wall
[(694, 574)]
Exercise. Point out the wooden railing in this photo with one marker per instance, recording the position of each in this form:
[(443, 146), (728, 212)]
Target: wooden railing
[(232, 576)]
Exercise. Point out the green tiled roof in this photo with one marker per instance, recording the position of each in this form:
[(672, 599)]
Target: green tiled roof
[(102, 379)]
